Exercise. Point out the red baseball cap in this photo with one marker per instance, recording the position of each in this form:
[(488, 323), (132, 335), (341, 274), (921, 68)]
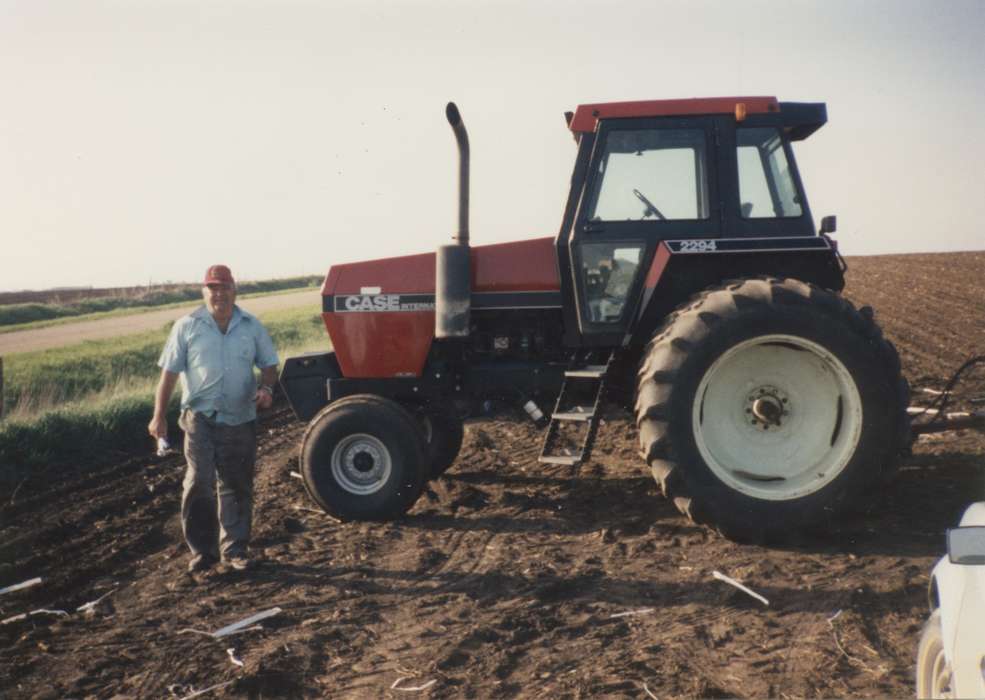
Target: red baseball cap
[(219, 274)]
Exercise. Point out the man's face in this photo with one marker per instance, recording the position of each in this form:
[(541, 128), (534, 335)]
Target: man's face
[(219, 298)]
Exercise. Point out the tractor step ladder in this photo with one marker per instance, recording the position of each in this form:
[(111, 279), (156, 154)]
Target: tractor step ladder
[(587, 383)]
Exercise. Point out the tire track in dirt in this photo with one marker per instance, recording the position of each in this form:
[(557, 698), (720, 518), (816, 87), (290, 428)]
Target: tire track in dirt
[(449, 565)]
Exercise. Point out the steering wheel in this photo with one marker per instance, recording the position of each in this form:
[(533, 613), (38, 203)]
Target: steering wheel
[(650, 206)]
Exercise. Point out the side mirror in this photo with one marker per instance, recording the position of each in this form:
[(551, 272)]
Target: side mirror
[(829, 224), (966, 545)]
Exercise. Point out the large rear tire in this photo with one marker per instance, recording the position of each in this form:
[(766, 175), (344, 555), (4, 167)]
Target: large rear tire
[(765, 406), (363, 458)]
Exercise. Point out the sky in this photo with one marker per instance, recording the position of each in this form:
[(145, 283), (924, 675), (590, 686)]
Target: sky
[(143, 140)]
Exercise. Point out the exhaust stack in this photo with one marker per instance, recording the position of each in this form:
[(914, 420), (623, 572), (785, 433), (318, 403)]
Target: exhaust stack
[(453, 274)]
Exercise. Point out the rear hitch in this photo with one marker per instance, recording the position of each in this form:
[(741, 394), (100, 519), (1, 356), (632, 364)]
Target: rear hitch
[(951, 421), (941, 421)]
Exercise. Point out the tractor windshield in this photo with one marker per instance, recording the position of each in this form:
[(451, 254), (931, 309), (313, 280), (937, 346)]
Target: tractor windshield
[(766, 186), (651, 174)]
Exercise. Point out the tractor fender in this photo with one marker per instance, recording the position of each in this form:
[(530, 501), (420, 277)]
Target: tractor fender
[(681, 269), (304, 379)]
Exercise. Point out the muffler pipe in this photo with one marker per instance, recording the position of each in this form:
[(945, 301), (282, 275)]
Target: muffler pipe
[(462, 138), (453, 273)]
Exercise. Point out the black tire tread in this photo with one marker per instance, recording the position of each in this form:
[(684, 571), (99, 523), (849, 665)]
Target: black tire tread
[(687, 326), (447, 434), (399, 412)]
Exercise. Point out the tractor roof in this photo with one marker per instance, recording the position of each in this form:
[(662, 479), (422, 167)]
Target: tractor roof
[(800, 119)]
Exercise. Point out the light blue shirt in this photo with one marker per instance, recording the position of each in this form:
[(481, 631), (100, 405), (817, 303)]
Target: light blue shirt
[(217, 369)]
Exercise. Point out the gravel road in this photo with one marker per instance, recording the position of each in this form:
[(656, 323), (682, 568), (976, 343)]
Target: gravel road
[(65, 334)]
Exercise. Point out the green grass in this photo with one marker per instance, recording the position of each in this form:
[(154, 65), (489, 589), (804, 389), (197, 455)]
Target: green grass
[(43, 316), (70, 402), (74, 434), (39, 381)]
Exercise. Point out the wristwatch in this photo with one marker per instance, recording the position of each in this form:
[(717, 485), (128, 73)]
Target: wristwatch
[(267, 388)]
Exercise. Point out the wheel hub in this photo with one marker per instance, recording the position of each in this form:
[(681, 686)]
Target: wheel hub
[(361, 464), (767, 407)]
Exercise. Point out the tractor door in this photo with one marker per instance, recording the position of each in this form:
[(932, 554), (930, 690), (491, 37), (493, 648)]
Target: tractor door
[(647, 180)]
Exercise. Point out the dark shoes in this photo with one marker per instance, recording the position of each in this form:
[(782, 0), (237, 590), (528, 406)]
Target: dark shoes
[(200, 563)]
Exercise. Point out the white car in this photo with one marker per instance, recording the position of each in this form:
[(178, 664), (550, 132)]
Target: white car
[(951, 655)]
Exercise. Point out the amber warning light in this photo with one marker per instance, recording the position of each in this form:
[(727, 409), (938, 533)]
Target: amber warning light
[(740, 111)]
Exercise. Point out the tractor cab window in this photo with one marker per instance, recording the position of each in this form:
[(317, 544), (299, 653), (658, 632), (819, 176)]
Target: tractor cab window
[(608, 271), (651, 175), (766, 186)]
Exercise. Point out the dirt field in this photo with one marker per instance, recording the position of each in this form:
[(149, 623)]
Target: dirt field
[(508, 579)]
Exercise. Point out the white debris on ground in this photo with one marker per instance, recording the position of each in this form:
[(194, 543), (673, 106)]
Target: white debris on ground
[(732, 582)]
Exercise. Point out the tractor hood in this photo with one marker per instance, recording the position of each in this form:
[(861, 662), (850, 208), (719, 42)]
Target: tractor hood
[(521, 266), (380, 313)]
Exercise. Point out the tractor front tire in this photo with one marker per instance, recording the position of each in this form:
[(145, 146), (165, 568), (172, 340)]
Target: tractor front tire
[(443, 435), (766, 406), (363, 458)]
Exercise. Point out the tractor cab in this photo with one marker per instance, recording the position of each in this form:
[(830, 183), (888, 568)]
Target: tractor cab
[(689, 171)]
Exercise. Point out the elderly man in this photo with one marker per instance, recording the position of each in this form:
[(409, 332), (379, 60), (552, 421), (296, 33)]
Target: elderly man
[(214, 350)]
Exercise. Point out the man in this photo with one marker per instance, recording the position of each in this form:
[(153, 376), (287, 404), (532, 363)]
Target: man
[(214, 350)]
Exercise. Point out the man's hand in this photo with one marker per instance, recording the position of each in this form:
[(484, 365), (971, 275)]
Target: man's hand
[(158, 427), (264, 398), (265, 393)]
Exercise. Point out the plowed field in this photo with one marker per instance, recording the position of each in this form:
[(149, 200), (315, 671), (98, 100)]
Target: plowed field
[(508, 578)]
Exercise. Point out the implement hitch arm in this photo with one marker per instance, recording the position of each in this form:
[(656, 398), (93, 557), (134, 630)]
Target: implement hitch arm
[(950, 421)]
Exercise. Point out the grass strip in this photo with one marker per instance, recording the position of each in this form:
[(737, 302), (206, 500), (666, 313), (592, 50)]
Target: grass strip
[(70, 403), (40, 381), (124, 310), (73, 434), (76, 434)]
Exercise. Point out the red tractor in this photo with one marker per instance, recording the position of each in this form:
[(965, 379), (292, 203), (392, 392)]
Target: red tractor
[(687, 283)]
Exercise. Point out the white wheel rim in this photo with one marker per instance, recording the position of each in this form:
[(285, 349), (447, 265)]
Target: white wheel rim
[(940, 676), (777, 417), (361, 464)]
